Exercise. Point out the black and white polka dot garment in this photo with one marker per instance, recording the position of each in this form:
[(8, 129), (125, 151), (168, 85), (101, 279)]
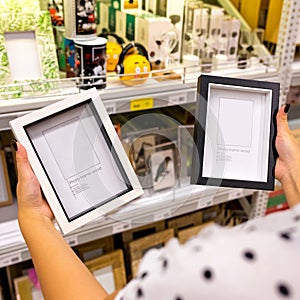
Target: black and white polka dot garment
[(259, 259)]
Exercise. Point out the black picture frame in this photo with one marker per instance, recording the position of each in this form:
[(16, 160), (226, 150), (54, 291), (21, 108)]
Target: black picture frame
[(206, 101)]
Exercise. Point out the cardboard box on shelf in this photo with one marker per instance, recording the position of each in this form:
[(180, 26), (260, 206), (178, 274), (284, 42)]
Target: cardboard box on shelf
[(121, 24), (96, 248), (197, 20), (139, 247), (173, 10), (233, 42), (251, 10), (112, 19), (277, 201), (103, 17), (185, 234), (185, 221), (138, 233), (216, 21), (154, 34), (273, 21), (130, 27), (263, 14)]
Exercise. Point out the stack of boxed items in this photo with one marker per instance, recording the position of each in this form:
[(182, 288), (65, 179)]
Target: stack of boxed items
[(210, 36), (189, 32), (158, 30)]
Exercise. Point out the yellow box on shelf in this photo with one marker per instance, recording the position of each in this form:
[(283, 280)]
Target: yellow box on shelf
[(250, 10), (273, 21), (258, 12)]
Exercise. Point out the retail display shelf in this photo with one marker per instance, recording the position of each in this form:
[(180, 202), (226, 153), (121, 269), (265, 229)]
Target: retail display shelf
[(255, 70), (115, 100), (144, 210), (152, 207), (117, 96)]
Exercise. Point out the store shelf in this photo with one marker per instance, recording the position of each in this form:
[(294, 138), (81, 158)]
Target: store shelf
[(115, 102), (152, 207), (145, 210), (117, 97)]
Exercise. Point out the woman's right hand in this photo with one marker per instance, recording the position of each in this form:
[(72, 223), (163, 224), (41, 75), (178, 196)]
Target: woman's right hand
[(287, 169)]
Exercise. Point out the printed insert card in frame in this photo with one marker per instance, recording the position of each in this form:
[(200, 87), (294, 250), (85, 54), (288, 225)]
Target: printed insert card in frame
[(78, 158), (235, 131), (27, 53)]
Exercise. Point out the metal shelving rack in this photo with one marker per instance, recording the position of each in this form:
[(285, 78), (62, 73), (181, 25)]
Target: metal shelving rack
[(285, 51), (286, 45), (163, 205), (142, 211)]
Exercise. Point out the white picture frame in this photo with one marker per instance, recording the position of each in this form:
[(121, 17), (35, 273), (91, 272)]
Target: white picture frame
[(78, 158)]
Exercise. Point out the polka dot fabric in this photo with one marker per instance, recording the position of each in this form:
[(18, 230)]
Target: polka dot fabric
[(259, 259)]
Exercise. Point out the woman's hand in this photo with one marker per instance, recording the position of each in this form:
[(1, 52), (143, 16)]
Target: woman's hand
[(287, 169), (30, 201), (61, 273)]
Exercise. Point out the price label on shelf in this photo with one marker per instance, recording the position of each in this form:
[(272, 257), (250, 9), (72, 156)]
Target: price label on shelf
[(10, 259), (235, 194), (72, 241), (178, 99), (202, 204), (162, 215), (120, 227), (141, 104), (110, 107)]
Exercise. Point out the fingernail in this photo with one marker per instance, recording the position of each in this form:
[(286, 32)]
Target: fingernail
[(287, 108), (14, 144)]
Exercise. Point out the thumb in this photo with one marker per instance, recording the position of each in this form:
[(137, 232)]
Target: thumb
[(282, 121), (23, 166)]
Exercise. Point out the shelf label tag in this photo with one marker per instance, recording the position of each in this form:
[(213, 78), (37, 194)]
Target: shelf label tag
[(120, 227), (202, 204), (178, 99), (72, 241), (110, 107), (10, 259), (235, 194), (141, 104), (162, 215)]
